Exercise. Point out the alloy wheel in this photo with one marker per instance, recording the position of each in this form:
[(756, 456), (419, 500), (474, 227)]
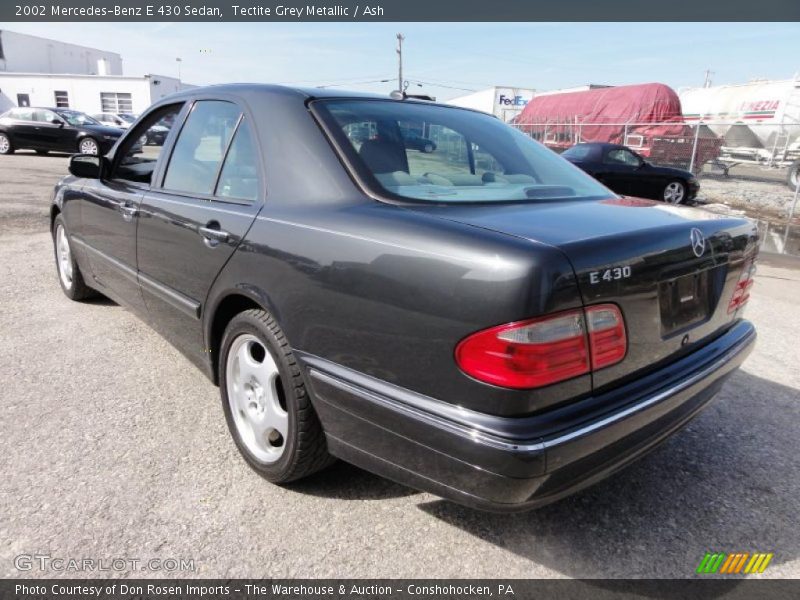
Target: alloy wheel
[(5, 144), (256, 399), (673, 193)]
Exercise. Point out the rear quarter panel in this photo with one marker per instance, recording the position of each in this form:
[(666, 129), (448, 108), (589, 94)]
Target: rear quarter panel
[(389, 293)]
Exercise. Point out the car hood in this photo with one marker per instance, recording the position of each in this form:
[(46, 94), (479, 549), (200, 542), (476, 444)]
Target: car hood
[(103, 130)]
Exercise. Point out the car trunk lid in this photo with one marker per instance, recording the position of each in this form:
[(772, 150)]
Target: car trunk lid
[(671, 270)]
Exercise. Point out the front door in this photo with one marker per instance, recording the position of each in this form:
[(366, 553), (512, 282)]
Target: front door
[(110, 216), (53, 132), (191, 224), (620, 170)]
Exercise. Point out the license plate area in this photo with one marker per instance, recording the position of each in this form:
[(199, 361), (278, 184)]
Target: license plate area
[(684, 301)]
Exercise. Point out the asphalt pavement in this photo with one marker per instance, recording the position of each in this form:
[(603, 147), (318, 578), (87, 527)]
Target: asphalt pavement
[(113, 445)]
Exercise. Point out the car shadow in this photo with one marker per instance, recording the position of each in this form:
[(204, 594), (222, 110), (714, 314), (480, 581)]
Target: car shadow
[(343, 481), (728, 482)]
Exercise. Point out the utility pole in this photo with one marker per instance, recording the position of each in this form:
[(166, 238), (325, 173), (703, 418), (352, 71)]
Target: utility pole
[(179, 61), (707, 82), (400, 39)]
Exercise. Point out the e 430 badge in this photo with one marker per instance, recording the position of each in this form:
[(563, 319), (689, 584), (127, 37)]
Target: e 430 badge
[(612, 274)]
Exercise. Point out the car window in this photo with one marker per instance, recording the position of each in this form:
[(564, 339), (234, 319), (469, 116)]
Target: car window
[(141, 148), (621, 156), (200, 147), (239, 176), (577, 152), (21, 114), (77, 119), (41, 115), (456, 155)]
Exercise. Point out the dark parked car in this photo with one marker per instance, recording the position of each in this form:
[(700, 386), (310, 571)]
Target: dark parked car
[(415, 141), (627, 173), (54, 129), (501, 338)]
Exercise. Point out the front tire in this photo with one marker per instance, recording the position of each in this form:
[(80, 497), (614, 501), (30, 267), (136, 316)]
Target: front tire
[(427, 148), (89, 145), (5, 144), (266, 404), (674, 192), (69, 274)]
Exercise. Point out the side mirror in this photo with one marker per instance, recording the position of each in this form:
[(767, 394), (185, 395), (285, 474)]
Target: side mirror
[(57, 122), (86, 166)]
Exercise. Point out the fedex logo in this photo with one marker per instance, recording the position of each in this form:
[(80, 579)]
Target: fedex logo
[(509, 101)]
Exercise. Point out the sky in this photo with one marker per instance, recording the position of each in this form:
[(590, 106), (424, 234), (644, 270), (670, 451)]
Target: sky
[(448, 59)]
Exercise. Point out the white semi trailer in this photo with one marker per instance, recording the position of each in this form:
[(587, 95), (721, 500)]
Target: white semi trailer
[(759, 122)]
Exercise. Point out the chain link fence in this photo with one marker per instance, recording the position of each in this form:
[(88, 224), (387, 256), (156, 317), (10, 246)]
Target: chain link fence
[(725, 153)]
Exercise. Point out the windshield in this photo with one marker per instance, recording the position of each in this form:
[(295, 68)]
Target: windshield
[(465, 157), (77, 119)]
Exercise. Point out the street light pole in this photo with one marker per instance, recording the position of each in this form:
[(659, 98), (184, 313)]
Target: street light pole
[(179, 61), (400, 39)]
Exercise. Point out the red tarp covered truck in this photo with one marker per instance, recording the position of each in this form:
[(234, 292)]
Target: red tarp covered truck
[(646, 117)]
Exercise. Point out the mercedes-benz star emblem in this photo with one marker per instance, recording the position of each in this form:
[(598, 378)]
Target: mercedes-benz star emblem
[(698, 242)]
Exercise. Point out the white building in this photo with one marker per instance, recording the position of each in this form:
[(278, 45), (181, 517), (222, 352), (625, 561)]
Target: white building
[(36, 71), (23, 53), (503, 102), (86, 93)]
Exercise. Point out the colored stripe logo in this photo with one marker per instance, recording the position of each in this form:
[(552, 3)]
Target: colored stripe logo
[(735, 563)]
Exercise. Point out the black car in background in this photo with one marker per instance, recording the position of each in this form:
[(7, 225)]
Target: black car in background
[(627, 173), (54, 129), (494, 326), (414, 141)]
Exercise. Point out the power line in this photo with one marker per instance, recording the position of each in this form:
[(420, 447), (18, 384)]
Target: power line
[(441, 85), (329, 85)]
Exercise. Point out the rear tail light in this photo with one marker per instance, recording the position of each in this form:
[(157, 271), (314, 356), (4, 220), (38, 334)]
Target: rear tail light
[(546, 350), (741, 293), (607, 338)]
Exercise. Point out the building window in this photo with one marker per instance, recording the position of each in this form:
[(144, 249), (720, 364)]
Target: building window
[(23, 100), (62, 99), (116, 102)]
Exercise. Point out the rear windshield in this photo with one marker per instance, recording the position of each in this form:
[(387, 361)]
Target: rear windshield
[(439, 154)]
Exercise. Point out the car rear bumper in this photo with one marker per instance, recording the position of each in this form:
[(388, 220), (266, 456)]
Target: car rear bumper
[(511, 464)]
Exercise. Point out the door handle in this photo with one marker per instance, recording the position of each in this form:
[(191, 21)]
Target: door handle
[(128, 211), (213, 234)]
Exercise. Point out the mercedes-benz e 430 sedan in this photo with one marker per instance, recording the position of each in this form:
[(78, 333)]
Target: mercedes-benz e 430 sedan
[(484, 321)]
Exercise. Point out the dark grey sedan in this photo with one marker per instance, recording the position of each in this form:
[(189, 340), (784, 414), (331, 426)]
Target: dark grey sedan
[(484, 321)]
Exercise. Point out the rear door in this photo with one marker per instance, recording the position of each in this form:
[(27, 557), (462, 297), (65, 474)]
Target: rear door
[(206, 200), (110, 211), (23, 127)]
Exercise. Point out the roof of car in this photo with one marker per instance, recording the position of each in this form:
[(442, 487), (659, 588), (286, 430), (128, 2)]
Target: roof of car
[(600, 145), (306, 93)]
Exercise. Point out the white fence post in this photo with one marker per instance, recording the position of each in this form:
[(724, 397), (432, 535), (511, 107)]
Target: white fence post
[(794, 203), (694, 147)]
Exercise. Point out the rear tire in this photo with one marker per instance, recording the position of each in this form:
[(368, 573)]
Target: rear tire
[(674, 192), (793, 177), (69, 274), (5, 144), (266, 404), (427, 148)]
